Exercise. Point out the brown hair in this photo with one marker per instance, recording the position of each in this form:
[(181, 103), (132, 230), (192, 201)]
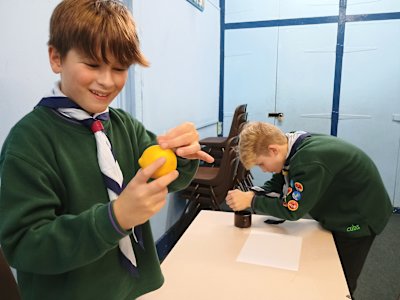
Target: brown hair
[(96, 28), (254, 140)]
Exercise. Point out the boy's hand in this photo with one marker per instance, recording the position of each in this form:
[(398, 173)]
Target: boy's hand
[(141, 199), (238, 200), (184, 139)]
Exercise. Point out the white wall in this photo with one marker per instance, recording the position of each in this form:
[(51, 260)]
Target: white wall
[(182, 44), (25, 74), (182, 83)]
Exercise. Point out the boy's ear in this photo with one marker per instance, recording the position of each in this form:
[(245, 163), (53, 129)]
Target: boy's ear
[(55, 60), (273, 149)]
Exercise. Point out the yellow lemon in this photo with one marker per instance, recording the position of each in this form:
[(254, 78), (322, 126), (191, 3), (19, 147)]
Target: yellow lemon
[(152, 153)]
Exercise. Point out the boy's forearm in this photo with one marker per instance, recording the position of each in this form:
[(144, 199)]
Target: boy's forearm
[(273, 206)]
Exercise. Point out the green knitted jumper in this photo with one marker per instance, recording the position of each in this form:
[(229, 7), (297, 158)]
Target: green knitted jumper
[(56, 221), (334, 182)]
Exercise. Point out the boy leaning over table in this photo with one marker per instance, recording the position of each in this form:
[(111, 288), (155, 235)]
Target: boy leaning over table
[(74, 203), (333, 181)]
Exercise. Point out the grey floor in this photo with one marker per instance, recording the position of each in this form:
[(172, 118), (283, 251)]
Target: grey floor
[(380, 277)]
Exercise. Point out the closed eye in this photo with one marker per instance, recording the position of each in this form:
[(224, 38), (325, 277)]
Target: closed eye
[(120, 69), (94, 66)]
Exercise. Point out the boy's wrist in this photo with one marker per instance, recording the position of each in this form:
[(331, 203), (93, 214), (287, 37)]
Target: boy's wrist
[(114, 220), (119, 216)]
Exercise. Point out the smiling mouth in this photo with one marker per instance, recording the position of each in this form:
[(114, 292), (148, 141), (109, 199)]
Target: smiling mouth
[(100, 94)]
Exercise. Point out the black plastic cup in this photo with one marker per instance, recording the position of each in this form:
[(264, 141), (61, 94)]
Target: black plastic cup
[(243, 218)]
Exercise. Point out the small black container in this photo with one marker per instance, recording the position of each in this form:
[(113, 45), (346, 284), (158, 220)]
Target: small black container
[(243, 218)]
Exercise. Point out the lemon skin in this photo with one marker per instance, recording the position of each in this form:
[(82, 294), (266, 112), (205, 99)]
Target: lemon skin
[(153, 153)]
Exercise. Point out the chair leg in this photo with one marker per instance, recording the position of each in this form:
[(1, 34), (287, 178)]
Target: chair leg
[(193, 192), (190, 211), (242, 186), (214, 202)]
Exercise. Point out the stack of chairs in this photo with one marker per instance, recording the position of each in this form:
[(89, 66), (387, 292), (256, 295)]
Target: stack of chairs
[(212, 182), (215, 145), (209, 186)]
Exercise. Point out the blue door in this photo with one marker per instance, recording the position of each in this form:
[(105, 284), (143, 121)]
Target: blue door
[(370, 94), (282, 59)]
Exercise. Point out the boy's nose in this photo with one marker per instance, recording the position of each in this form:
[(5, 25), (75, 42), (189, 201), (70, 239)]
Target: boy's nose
[(104, 78)]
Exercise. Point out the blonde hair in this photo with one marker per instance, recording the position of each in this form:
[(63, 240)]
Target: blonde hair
[(254, 140), (97, 29)]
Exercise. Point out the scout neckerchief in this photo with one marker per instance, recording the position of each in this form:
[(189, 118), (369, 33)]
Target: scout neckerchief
[(109, 167), (294, 141)]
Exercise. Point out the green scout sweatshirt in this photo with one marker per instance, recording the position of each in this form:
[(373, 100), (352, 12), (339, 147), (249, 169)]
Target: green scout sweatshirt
[(55, 215), (334, 182)]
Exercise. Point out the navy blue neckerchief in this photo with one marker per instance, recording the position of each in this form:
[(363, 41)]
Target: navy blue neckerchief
[(296, 144), (56, 102)]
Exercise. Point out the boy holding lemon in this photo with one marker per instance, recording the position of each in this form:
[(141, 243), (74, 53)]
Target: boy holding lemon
[(74, 202)]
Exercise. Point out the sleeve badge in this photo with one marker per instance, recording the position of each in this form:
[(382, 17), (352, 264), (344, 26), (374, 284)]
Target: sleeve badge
[(296, 195), (293, 205), (298, 186)]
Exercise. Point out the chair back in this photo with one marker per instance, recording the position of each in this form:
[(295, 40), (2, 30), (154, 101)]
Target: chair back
[(237, 123), (240, 109), (237, 118), (228, 183), (228, 156), (212, 192), (8, 286)]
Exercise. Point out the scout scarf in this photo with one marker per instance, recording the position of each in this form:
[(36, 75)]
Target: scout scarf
[(294, 141), (112, 175), (294, 138)]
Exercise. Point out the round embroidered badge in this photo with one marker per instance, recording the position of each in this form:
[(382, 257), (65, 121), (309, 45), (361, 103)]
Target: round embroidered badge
[(298, 186), (296, 195), (289, 190), (293, 205)]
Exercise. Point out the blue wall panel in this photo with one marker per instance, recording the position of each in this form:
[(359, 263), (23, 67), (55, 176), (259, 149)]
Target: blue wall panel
[(337, 66)]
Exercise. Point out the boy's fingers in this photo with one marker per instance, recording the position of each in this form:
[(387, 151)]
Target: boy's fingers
[(201, 156), (179, 130), (145, 174), (186, 138), (232, 192), (188, 150), (204, 156), (183, 134), (162, 182)]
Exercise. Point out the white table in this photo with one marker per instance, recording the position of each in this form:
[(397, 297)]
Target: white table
[(203, 264)]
